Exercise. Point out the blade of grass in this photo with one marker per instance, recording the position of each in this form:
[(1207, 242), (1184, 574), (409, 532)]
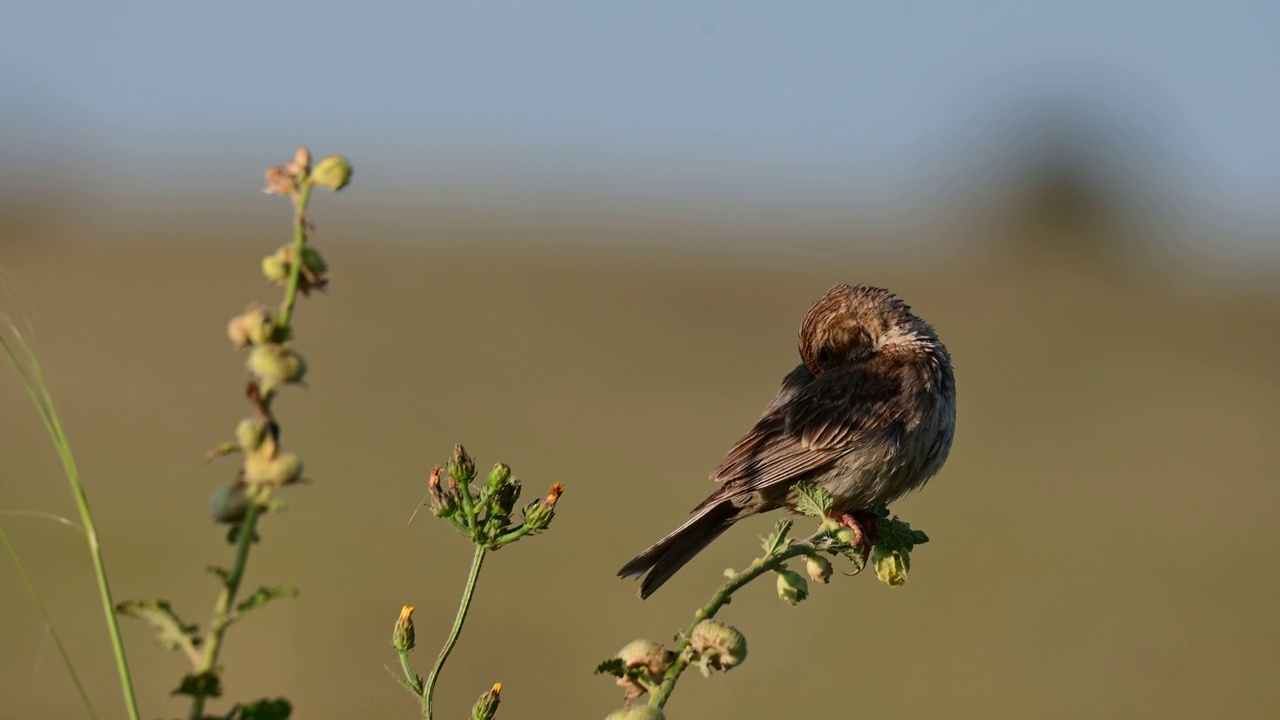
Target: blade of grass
[(43, 516), (32, 379), (48, 621)]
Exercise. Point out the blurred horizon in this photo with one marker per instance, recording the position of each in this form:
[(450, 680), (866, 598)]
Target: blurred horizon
[(895, 117)]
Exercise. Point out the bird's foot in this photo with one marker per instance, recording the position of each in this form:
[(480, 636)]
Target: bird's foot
[(866, 530)]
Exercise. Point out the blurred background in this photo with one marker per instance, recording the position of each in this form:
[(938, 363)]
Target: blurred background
[(580, 239)]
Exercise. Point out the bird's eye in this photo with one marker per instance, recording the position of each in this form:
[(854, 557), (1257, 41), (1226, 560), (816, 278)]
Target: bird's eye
[(824, 355)]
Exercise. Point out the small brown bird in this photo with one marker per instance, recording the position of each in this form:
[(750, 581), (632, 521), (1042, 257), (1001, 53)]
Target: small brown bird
[(868, 415)]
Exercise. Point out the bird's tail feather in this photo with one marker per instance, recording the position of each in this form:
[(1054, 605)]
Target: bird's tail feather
[(669, 554)]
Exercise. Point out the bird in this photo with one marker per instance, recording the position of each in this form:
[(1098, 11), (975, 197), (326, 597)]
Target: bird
[(868, 415)]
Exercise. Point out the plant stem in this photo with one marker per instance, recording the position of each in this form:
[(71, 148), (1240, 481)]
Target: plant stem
[(104, 587), (295, 266), (476, 561), (222, 612), (759, 566), (415, 682)]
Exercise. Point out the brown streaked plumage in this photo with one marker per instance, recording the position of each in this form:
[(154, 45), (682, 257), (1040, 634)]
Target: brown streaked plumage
[(868, 415)]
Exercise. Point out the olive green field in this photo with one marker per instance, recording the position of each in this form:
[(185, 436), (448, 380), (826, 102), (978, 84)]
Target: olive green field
[(1103, 538)]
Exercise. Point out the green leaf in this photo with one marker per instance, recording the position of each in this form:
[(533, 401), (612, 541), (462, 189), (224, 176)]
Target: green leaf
[(897, 534), (278, 709), (171, 632), (855, 556), (225, 448), (880, 511), (203, 685), (777, 538), (264, 596), (617, 668), (613, 666), (812, 500)]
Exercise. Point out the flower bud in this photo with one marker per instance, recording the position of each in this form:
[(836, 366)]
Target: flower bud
[(891, 566), (502, 502), (249, 434), (640, 712), (539, 514), (333, 172), (255, 326), (402, 637), (443, 502), (818, 568), (283, 179), (279, 266), (791, 587), (229, 503), (275, 268), (498, 477), (638, 653), (280, 181), (648, 656), (301, 163), (718, 645), (487, 706), (846, 536), (274, 365), (271, 468), (461, 467)]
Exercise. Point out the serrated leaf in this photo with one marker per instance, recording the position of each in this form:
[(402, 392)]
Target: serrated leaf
[(205, 684), (612, 666), (777, 538), (812, 500), (171, 632), (278, 709), (265, 595), (897, 534)]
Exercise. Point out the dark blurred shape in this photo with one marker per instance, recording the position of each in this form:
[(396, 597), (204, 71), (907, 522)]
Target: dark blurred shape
[(1060, 200), (1071, 182)]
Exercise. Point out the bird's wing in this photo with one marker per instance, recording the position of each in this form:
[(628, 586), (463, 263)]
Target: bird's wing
[(813, 422)]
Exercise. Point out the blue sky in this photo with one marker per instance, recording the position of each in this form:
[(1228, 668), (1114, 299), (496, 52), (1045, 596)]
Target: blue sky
[(879, 100)]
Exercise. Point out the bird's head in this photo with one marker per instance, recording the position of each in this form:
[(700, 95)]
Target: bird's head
[(854, 323)]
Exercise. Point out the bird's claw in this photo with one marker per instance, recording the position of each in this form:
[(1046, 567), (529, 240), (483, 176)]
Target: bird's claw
[(866, 529)]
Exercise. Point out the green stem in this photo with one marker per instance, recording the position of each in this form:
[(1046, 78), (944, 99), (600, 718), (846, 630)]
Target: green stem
[(222, 611), (476, 561), (415, 682), (104, 587), (760, 566), (295, 266)]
